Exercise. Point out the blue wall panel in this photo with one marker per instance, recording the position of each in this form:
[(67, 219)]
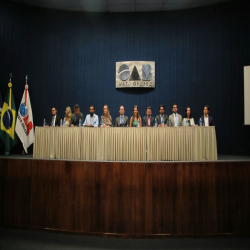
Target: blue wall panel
[(70, 58)]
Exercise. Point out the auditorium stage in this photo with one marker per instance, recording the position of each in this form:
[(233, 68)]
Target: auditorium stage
[(127, 199), (220, 158)]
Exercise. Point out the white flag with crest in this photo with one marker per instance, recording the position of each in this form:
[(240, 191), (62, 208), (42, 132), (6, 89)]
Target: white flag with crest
[(24, 122)]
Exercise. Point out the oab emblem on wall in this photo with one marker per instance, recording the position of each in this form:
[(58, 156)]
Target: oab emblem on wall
[(135, 74)]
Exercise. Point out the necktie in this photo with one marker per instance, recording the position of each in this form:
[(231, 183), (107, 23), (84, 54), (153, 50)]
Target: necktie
[(122, 120), (77, 120), (176, 121), (149, 121), (162, 121)]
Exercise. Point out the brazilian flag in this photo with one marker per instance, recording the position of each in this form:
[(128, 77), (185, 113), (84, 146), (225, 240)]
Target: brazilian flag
[(8, 121)]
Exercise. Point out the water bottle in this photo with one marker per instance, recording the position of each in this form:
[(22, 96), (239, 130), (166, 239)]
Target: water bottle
[(200, 122), (94, 123), (80, 122), (156, 122), (138, 124), (64, 123), (44, 123), (61, 123), (186, 123), (162, 122), (102, 123)]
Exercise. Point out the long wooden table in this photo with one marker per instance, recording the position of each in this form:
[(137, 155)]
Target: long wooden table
[(126, 144)]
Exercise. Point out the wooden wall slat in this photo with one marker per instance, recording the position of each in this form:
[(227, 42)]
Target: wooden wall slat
[(126, 198)]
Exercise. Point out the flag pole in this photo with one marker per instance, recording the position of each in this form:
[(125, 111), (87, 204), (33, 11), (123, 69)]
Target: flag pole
[(26, 88), (10, 85)]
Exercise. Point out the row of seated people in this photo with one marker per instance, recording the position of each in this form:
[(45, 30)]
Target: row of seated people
[(92, 120)]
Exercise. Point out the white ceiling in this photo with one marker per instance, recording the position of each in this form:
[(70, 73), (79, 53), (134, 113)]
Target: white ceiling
[(119, 5)]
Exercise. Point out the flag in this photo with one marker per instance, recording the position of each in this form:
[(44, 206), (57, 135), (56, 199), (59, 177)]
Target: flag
[(8, 121), (1, 106), (24, 122)]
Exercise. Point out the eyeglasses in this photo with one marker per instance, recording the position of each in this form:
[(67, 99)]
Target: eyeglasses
[(53, 110)]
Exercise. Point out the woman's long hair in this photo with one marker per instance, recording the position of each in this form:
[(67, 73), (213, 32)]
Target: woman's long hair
[(69, 113), (108, 115), (190, 113), (138, 113)]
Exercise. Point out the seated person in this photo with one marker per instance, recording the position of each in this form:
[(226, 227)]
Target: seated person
[(162, 119), (148, 120), (135, 120), (55, 119), (175, 119), (77, 116), (188, 120), (206, 119), (67, 118), (91, 119), (106, 119), (122, 120)]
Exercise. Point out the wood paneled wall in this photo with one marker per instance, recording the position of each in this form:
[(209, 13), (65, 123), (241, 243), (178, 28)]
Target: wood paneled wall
[(127, 199)]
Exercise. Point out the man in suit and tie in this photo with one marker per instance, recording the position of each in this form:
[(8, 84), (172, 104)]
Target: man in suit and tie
[(77, 116), (122, 120), (162, 118), (148, 120), (55, 119), (175, 119), (206, 119)]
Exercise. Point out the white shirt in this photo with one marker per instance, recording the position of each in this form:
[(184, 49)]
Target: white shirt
[(206, 123), (191, 121), (175, 115), (94, 121), (53, 122)]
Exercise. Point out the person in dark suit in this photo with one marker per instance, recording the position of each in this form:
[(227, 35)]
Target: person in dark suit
[(206, 119), (77, 116), (148, 120), (55, 119), (162, 118), (122, 120)]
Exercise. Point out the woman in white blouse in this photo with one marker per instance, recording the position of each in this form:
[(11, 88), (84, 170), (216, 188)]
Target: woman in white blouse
[(188, 120)]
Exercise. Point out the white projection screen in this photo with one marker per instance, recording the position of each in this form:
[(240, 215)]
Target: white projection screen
[(247, 95)]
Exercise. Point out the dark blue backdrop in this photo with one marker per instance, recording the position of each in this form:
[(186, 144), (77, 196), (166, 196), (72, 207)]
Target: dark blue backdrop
[(70, 58)]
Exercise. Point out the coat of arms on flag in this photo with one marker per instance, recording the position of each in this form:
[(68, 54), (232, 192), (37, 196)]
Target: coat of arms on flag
[(8, 121), (24, 124)]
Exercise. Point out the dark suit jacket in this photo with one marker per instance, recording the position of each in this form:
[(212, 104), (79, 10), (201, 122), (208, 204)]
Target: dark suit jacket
[(57, 122), (73, 119), (125, 124), (165, 118), (145, 121), (210, 120)]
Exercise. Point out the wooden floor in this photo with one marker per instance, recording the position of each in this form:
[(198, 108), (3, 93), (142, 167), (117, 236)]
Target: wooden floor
[(126, 199)]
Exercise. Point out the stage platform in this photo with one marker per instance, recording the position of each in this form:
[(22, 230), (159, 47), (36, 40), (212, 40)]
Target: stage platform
[(220, 158), (127, 199)]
